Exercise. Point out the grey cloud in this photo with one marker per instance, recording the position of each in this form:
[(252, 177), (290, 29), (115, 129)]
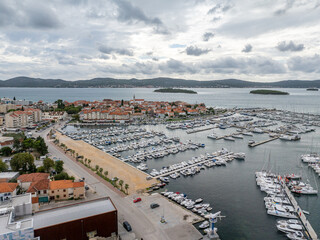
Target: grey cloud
[(247, 48), (64, 60), (27, 15), (220, 8), (175, 66), (207, 36), (195, 51), (289, 4), (104, 56), (149, 53), (290, 46), (256, 65), (155, 59), (130, 14), (120, 51), (307, 64)]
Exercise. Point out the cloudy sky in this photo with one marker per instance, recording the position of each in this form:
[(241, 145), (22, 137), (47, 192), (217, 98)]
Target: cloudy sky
[(261, 40)]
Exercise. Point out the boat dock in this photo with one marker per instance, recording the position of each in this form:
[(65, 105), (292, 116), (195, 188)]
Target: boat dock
[(262, 142), (229, 135), (186, 167), (199, 130), (311, 234)]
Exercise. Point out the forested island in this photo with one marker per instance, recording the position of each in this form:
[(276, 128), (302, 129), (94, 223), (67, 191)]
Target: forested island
[(175, 90), (268, 92)]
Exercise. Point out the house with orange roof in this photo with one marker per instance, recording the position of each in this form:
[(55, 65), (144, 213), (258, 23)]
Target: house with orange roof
[(192, 111), (40, 190), (25, 180), (66, 189), (7, 190)]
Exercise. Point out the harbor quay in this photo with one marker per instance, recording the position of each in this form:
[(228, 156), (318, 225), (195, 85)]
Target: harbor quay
[(136, 179)]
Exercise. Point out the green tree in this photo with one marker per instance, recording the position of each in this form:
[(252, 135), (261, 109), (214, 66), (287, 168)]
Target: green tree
[(3, 166), (106, 173), (89, 161), (63, 176), (6, 151), (101, 170), (23, 162), (58, 166), (16, 144), (60, 104), (126, 186), (97, 167), (115, 179), (41, 169), (27, 144), (48, 163), (121, 183), (40, 146)]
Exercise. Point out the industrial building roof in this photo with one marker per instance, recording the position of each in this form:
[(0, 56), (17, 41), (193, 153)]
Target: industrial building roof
[(72, 212)]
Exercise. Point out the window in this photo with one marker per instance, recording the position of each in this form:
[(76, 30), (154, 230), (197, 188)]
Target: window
[(44, 191), (38, 192), (64, 190), (52, 191), (64, 195)]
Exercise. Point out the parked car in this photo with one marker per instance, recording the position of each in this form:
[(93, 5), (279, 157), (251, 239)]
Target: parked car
[(137, 200), (127, 226), (154, 205)]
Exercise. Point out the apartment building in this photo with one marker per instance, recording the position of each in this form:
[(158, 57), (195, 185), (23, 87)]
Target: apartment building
[(22, 119)]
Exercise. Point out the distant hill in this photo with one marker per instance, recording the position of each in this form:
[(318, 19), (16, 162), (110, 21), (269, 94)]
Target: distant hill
[(152, 83)]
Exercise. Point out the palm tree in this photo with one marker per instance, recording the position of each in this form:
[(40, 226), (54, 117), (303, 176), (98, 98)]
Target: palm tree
[(121, 183), (100, 170), (126, 186), (115, 179), (89, 161), (97, 167), (85, 160), (106, 173)]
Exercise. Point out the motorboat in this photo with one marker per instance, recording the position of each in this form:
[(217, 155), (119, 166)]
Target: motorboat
[(199, 200), (203, 225), (212, 136), (280, 211), (286, 228), (164, 179), (229, 138), (298, 235)]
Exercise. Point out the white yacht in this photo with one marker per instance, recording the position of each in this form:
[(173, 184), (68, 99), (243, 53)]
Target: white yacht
[(286, 228), (203, 225), (239, 136), (229, 138), (212, 136), (280, 211), (298, 235)]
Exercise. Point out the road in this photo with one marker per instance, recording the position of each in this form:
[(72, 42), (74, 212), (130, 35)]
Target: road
[(141, 225)]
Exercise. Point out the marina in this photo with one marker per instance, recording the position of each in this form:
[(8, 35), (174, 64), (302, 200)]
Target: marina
[(178, 175), (281, 203)]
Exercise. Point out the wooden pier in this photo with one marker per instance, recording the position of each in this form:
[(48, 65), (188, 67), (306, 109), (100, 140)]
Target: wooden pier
[(311, 234), (262, 142)]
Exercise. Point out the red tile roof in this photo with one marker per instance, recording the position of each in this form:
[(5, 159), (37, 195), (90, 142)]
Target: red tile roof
[(63, 184), (7, 187), (33, 177), (42, 184)]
